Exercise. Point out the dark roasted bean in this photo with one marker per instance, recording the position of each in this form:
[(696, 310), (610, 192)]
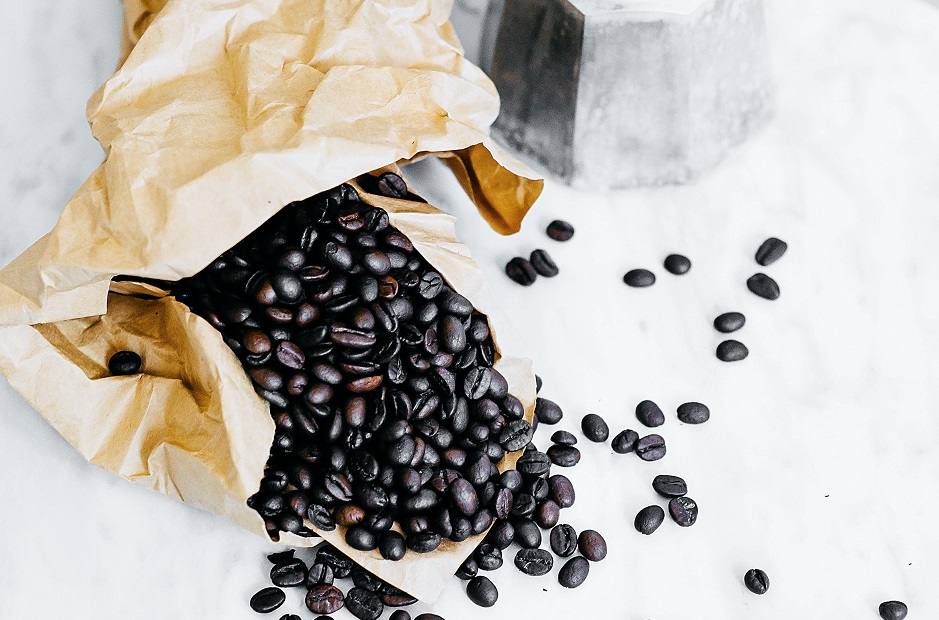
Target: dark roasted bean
[(423, 617), (534, 562), (669, 486), (893, 610), (683, 510), (649, 519), (757, 581), (592, 545), (324, 599), (468, 569), (267, 600), (477, 382), (543, 264), (763, 286), (563, 540), (393, 597), (732, 351), (548, 411), (392, 546), (561, 490), (527, 533), (281, 556), (363, 604), (770, 251), (340, 564), (574, 572), (482, 591), (564, 438), (651, 447), (501, 535), (547, 514), (564, 456), (124, 363), (559, 230), (533, 463), (400, 614), (463, 496), (693, 413), (424, 542), (516, 435), (521, 271), (319, 574), (639, 278), (677, 264), (625, 442), (649, 414), (595, 428), (729, 322), (361, 538), (488, 556)]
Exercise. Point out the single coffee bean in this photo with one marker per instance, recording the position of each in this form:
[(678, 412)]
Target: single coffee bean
[(516, 435), (319, 574), (595, 428), (424, 542), (392, 185), (561, 490), (650, 414), (563, 540), (893, 610), (393, 597), (333, 558), (757, 581), (468, 569), (290, 617), (534, 562), (651, 447), (574, 572), (488, 556), (321, 518), (729, 322), (677, 264), (521, 271), (527, 534), (482, 591), (267, 600), (731, 351), (324, 599), (400, 614), (770, 251), (625, 441), (361, 538), (533, 463), (649, 519), (288, 573), (547, 514), (538, 384), (763, 286), (392, 546), (543, 264), (124, 363), (559, 230), (547, 411), (363, 604), (423, 617), (669, 486), (684, 510), (693, 413), (639, 278), (564, 456), (592, 545), (564, 438), (281, 556)]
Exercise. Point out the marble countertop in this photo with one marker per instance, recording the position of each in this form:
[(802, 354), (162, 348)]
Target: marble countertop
[(819, 463)]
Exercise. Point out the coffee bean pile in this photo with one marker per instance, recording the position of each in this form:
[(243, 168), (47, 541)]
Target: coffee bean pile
[(525, 271), (379, 377)]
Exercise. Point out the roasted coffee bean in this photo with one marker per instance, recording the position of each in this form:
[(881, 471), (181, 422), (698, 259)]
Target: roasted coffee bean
[(651, 447), (288, 573), (534, 562), (729, 322), (547, 411), (516, 435), (649, 519), (649, 414), (683, 510), (482, 591), (392, 546), (893, 610), (538, 488), (363, 604), (563, 540), (281, 556), (561, 490), (324, 599), (763, 286), (481, 522), (669, 486), (393, 597), (527, 534), (533, 463), (521, 271), (319, 574), (625, 442), (564, 438), (468, 569), (592, 545), (547, 514), (693, 413), (574, 572), (501, 535), (732, 351), (400, 614), (757, 581), (770, 251), (391, 185), (361, 538), (595, 428), (488, 556), (424, 542), (677, 264), (424, 617), (543, 264), (559, 230), (463, 495), (477, 382), (267, 600), (124, 363), (340, 564), (639, 278), (290, 617), (564, 456), (523, 505)]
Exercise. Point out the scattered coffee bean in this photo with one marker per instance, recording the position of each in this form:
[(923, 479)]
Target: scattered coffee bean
[(693, 413), (288, 573), (677, 264), (391, 185), (625, 441), (639, 278), (564, 438), (651, 447), (729, 322), (683, 510), (400, 614), (267, 600), (770, 251), (488, 556), (574, 572), (393, 597), (547, 514), (561, 490), (563, 540), (534, 562), (649, 414), (547, 411), (290, 617), (893, 610), (559, 230), (592, 545), (324, 599), (595, 428), (319, 574), (422, 617), (669, 486), (521, 271), (482, 591), (649, 519), (732, 351), (763, 286), (527, 534), (564, 456), (124, 363), (543, 264), (281, 556), (757, 581), (363, 604), (468, 569)]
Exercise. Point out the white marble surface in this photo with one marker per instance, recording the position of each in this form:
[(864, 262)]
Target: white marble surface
[(819, 464)]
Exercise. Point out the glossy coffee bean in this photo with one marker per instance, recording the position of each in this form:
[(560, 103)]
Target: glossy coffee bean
[(770, 251), (547, 411), (482, 591), (426, 616), (281, 556), (563, 540), (290, 617), (564, 438), (333, 558), (732, 351), (468, 569), (124, 363), (547, 514), (516, 435), (534, 562), (363, 604), (763, 286), (543, 264), (595, 428), (319, 574), (361, 538), (527, 534), (729, 322), (521, 271), (564, 456), (694, 413), (625, 442), (574, 572), (669, 486), (683, 510), (393, 597), (424, 542), (677, 264), (267, 600), (288, 573), (561, 490), (533, 463), (592, 545), (639, 278), (559, 230), (400, 614), (391, 545), (488, 556), (756, 580), (651, 447), (893, 610), (324, 599), (649, 414), (649, 519)]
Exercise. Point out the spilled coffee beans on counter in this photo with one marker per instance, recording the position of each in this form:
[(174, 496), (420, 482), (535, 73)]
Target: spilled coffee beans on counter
[(543, 264), (684, 511), (770, 251), (649, 414), (267, 600), (595, 428), (693, 413), (379, 377), (676, 264), (639, 278), (763, 286), (521, 271), (649, 519), (732, 351)]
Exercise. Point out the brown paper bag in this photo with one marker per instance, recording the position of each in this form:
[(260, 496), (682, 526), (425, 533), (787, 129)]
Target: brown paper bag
[(225, 111)]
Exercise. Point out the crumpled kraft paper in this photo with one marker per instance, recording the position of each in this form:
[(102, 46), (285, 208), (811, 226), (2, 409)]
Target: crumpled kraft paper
[(223, 112)]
